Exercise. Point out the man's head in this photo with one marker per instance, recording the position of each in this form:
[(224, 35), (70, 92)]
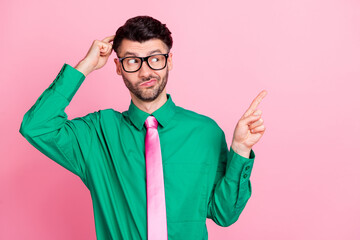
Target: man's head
[(143, 36)]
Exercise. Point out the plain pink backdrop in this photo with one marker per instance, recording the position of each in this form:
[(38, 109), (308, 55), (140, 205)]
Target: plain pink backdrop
[(304, 53)]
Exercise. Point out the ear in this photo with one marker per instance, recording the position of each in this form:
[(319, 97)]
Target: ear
[(118, 66), (169, 61)]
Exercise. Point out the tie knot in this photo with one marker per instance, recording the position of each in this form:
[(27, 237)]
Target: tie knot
[(151, 122)]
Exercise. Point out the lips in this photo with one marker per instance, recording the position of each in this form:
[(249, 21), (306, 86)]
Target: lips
[(149, 83)]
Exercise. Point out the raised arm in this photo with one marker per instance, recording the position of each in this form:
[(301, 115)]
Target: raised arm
[(232, 187), (46, 126)]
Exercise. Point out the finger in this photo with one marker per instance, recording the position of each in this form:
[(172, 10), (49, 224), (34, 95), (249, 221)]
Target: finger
[(258, 129), (257, 123), (255, 103), (109, 39), (250, 119), (257, 112), (104, 48), (102, 51), (109, 49)]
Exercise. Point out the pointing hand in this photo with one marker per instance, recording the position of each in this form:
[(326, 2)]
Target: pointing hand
[(250, 128)]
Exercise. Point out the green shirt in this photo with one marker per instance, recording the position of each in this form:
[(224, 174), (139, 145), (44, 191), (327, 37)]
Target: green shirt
[(106, 149)]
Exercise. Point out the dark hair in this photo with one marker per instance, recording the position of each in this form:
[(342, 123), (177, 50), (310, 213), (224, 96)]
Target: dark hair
[(142, 28)]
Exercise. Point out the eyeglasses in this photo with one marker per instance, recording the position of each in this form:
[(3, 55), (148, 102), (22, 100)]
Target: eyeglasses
[(133, 64)]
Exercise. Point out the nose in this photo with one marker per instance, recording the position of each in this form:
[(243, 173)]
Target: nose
[(145, 70)]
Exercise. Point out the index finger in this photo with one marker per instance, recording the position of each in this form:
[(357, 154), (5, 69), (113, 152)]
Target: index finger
[(109, 39), (255, 103)]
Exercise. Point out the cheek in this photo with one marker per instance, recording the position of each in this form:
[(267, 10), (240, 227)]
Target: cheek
[(163, 74), (130, 79)]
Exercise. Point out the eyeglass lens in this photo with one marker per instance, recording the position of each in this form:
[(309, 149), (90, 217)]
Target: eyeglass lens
[(155, 62)]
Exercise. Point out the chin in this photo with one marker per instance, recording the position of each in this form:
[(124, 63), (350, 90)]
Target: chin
[(147, 96)]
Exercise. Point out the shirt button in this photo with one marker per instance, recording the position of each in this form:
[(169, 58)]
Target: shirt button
[(247, 168), (245, 175)]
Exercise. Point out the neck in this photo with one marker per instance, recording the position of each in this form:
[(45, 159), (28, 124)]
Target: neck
[(152, 106)]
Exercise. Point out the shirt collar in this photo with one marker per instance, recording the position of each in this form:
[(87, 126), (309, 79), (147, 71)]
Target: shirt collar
[(163, 114)]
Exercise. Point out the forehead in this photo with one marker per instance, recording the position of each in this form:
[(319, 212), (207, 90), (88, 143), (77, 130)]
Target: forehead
[(141, 49)]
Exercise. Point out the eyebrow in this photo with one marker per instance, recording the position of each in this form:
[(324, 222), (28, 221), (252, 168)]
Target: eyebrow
[(135, 54)]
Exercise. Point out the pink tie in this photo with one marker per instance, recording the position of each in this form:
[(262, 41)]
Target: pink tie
[(156, 208)]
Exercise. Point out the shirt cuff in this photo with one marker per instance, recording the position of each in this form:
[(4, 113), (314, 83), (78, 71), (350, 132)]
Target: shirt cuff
[(239, 166), (68, 81)]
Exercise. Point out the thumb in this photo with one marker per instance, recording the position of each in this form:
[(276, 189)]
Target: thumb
[(103, 47), (248, 120)]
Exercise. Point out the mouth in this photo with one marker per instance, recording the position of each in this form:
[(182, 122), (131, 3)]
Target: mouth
[(151, 82)]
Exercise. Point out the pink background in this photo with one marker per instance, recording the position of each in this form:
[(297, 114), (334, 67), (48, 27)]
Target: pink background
[(305, 53)]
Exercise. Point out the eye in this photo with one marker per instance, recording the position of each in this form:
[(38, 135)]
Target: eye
[(132, 60), (154, 59)]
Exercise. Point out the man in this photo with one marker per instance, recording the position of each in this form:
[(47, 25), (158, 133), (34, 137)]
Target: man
[(111, 151)]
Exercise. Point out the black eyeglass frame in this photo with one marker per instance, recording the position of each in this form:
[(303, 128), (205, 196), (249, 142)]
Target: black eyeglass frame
[(146, 60)]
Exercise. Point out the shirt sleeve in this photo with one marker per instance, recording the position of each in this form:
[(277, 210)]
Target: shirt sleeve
[(232, 187), (46, 126)]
